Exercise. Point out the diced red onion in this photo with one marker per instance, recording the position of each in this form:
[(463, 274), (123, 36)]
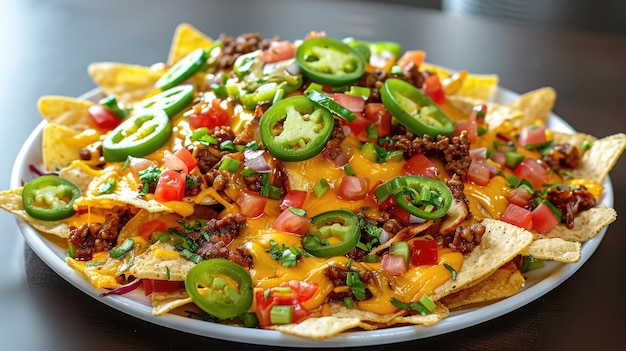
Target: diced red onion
[(343, 158), (416, 220), (384, 236), (478, 154), (126, 288), (254, 160), (39, 172)]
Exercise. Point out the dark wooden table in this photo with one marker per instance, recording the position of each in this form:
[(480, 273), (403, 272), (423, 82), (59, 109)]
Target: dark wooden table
[(47, 45)]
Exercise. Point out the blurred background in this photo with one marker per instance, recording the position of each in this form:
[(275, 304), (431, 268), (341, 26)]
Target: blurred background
[(608, 16)]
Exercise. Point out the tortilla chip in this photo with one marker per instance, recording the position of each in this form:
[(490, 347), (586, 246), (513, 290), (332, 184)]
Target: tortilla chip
[(587, 225), (129, 83), (536, 106), (165, 302), (504, 282), (555, 249), (340, 310), (321, 327), (437, 315), (99, 277), (11, 201), (186, 39), (496, 114), (597, 162), (65, 111), (60, 147), (160, 260), (478, 86), (77, 174), (500, 243)]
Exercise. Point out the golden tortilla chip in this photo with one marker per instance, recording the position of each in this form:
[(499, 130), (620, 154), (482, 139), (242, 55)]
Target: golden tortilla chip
[(536, 106), (100, 276), (60, 146), (186, 39), (597, 162), (504, 282), (129, 83), (478, 86), (321, 327), (78, 173), (587, 225), (496, 114), (500, 243), (161, 261), (66, 111), (555, 249), (340, 310), (11, 201), (165, 302), (437, 315)]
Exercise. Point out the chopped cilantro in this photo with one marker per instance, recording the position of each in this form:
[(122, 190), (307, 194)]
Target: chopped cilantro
[(288, 255)]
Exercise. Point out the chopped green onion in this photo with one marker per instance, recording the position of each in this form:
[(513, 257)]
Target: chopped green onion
[(348, 169), (530, 263), (253, 145), (427, 302), (512, 158), (321, 188), (249, 320), (452, 270), (400, 248), (281, 314), (110, 103), (227, 145), (370, 259), (107, 187), (119, 251), (372, 131), (229, 164), (219, 90), (313, 87), (356, 90), (586, 145)]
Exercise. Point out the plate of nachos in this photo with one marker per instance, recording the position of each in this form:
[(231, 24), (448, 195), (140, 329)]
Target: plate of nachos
[(321, 192)]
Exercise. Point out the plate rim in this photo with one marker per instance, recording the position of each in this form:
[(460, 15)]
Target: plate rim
[(458, 320)]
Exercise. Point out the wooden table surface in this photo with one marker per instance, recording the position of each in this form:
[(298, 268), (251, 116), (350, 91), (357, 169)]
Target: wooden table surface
[(47, 46)]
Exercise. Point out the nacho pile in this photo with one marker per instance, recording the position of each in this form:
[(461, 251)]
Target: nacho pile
[(310, 187)]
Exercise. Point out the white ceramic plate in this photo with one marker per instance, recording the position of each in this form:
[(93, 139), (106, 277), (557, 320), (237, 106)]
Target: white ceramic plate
[(136, 304)]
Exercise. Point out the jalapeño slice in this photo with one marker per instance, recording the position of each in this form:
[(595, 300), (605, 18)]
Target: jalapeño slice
[(296, 128), (137, 136), (227, 288), (414, 109), (50, 198), (333, 233), (330, 61)]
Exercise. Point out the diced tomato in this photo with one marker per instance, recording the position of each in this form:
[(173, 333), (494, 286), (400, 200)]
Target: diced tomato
[(174, 163), (400, 214), (185, 155), (278, 298), (351, 102), (544, 219), (290, 222), (159, 285), (393, 265), (415, 57), (469, 126), (103, 118), (478, 172), (150, 227), (353, 188), (424, 252), (519, 196), (433, 88), (251, 204), (170, 187), (385, 205), (532, 135), (532, 171), (359, 124), (420, 165), (293, 198), (302, 289), (211, 116), (378, 114), (278, 51), (519, 216)]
